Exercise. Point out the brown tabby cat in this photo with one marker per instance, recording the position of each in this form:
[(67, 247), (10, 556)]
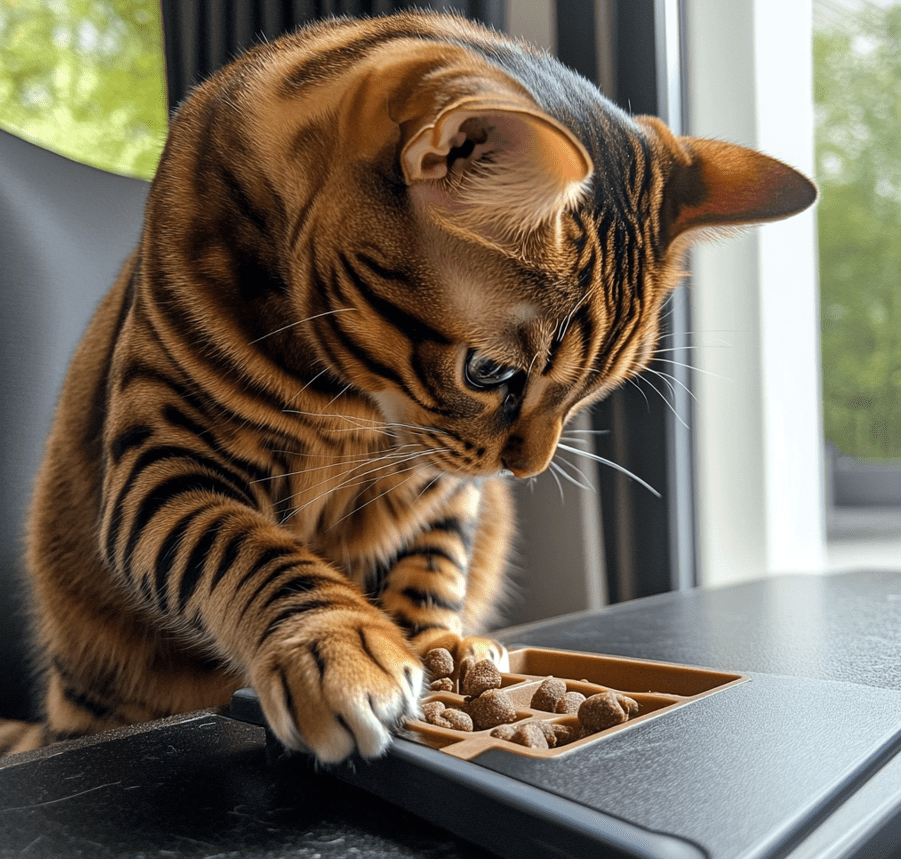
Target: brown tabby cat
[(383, 263)]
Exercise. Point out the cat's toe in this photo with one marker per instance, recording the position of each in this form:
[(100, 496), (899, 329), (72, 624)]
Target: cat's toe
[(334, 691)]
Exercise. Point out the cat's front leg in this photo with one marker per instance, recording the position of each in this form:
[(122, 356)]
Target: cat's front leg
[(445, 584), (333, 672)]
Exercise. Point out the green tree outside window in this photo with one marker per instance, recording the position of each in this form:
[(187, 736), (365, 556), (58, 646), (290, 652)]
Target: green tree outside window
[(857, 69), (86, 78)]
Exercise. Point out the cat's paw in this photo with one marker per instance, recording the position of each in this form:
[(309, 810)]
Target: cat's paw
[(472, 645), (336, 684)]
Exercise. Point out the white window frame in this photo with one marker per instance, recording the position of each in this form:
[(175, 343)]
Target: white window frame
[(756, 305)]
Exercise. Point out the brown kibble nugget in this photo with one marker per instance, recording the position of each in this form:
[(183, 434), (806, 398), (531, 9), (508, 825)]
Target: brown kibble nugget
[(549, 692), (431, 710), (453, 718), (566, 734), (547, 728), (570, 703), (503, 732), (492, 708), (442, 684), (531, 735), (462, 669), (480, 676), (439, 663), (600, 712), (630, 705)]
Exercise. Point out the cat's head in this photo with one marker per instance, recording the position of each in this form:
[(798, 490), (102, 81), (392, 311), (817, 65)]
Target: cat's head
[(532, 253), (484, 242)]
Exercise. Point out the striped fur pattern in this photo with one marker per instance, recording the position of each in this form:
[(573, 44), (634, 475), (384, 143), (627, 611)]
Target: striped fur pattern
[(383, 263)]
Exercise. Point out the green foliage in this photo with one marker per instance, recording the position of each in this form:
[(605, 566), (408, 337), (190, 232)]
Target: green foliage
[(86, 79), (857, 71)]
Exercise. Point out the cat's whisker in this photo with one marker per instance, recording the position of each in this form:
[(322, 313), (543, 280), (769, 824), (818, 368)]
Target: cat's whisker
[(350, 478), (338, 396), (301, 322), (612, 464), (413, 468), (586, 485), (586, 432), (662, 396), (362, 460), (694, 369), (553, 472), (635, 385), (674, 381)]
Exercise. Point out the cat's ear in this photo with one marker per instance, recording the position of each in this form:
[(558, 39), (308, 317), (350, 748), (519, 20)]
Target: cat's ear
[(717, 184), (497, 163)]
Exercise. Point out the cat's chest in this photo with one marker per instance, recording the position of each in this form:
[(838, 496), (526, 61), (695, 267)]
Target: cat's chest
[(359, 507)]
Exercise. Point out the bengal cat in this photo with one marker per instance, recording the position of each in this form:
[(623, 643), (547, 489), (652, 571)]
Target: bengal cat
[(383, 263)]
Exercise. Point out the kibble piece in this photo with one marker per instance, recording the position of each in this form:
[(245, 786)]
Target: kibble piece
[(442, 684), (492, 708), (547, 728), (479, 677), (503, 732), (439, 663), (432, 710), (630, 705), (569, 703), (600, 712), (450, 717), (530, 734), (566, 734), (463, 669), (548, 693)]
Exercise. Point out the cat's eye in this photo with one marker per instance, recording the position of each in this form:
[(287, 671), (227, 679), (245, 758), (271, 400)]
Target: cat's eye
[(484, 372)]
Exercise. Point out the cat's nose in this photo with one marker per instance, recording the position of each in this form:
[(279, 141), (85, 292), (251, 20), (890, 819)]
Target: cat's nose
[(516, 472)]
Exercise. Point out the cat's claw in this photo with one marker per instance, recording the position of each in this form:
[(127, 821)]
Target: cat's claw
[(334, 691)]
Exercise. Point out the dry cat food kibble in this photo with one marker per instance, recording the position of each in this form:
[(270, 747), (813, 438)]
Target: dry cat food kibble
[(479, 677), (569, 703), (605, 710), (548, 694), (492, 708), (439, 663), (488, 706), (436, 713)]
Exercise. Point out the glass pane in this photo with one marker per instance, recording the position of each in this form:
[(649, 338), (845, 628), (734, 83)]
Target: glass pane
[(857, 68), (85, 78)]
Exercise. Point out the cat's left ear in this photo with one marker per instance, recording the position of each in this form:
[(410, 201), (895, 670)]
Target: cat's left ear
[(718, 184)]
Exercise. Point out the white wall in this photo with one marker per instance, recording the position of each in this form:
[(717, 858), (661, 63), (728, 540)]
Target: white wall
[(755, 304)]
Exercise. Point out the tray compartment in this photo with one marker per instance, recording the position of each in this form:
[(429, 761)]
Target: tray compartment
[(665, 686), (619, 673)]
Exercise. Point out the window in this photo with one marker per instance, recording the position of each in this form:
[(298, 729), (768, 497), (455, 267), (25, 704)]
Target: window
[(857, 75), (85, 78)]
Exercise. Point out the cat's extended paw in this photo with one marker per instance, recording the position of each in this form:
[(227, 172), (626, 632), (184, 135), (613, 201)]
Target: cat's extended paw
[(472, 645), (337, 685)]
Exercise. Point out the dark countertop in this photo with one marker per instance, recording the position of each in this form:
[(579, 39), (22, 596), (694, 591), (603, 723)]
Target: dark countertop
[(200, 785)]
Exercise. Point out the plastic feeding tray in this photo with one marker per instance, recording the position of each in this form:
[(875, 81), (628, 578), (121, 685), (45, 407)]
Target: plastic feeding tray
[(656, 687)]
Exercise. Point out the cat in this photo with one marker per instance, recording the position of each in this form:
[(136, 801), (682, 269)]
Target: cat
[(384, 261)]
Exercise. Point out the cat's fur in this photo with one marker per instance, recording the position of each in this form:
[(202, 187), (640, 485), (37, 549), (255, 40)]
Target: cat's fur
[(383, 263)]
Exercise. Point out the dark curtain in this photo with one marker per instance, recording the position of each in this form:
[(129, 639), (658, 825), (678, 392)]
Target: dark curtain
[(202, 35), (650, 543)]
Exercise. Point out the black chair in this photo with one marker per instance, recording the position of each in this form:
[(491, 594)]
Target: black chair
[(65, 229)]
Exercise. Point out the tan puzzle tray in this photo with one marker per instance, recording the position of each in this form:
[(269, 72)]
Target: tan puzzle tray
[(657, 687)]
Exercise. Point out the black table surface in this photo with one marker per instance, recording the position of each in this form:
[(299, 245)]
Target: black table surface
[(200, 785)]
